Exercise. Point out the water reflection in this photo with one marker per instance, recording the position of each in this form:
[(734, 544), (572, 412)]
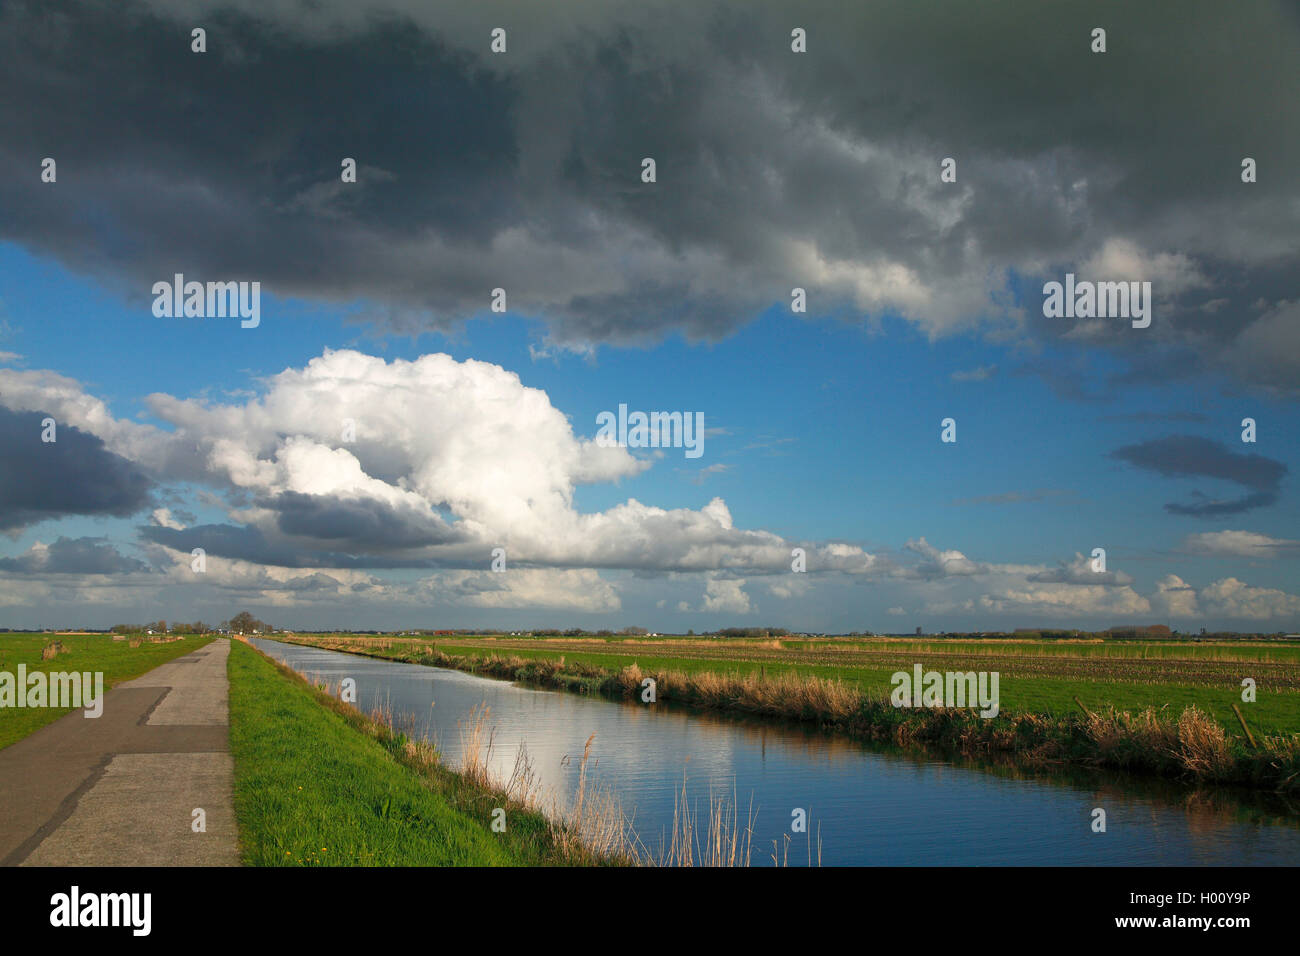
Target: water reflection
[(871, 804)]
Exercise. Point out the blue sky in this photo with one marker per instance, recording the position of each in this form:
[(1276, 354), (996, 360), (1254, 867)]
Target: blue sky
[(823, 429), (838, 441)]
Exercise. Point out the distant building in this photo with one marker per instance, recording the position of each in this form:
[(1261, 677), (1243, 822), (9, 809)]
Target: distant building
[(918, 632)]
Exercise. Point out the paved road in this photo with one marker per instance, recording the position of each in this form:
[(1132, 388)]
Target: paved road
[(120, 790)]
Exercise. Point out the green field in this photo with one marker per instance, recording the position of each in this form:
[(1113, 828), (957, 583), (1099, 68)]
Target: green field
[(317, 784), (117, 659), (1041, 677)]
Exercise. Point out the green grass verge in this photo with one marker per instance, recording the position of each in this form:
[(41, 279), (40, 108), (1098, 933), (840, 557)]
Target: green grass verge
[(96, 652), (319, 784)]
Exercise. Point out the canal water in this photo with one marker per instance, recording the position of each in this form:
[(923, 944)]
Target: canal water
[(865, 805)]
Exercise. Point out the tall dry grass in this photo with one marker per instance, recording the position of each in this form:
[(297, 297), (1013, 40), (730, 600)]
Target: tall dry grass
[(595, 820), (1203, 746), (594, 824), (781, 854), (593, 827), (1193, 743), (718, 841), (784, 695), (477, 739)]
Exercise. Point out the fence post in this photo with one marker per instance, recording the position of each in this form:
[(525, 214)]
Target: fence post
[(1249, 736)]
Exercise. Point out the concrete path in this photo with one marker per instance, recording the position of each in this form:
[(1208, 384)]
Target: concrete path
[(120, 790)]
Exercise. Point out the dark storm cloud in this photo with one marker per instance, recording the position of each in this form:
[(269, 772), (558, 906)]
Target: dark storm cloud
[(73, 556), (242, 543), (247, 140), (1187, 456), (775, 169), (246, 543), (318, 582), (73, 475), (358, 524)]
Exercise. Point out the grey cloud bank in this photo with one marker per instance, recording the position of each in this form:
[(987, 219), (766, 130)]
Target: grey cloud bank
[(775, 169)]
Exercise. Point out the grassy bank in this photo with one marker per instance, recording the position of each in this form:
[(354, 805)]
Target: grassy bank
[(119, 660), (1035, 677), (1170, 741), (317, 783)]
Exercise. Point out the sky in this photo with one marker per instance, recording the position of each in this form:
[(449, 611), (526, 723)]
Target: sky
[(410, 434)]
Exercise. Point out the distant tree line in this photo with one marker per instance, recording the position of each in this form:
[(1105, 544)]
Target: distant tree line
[(241, 623)]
